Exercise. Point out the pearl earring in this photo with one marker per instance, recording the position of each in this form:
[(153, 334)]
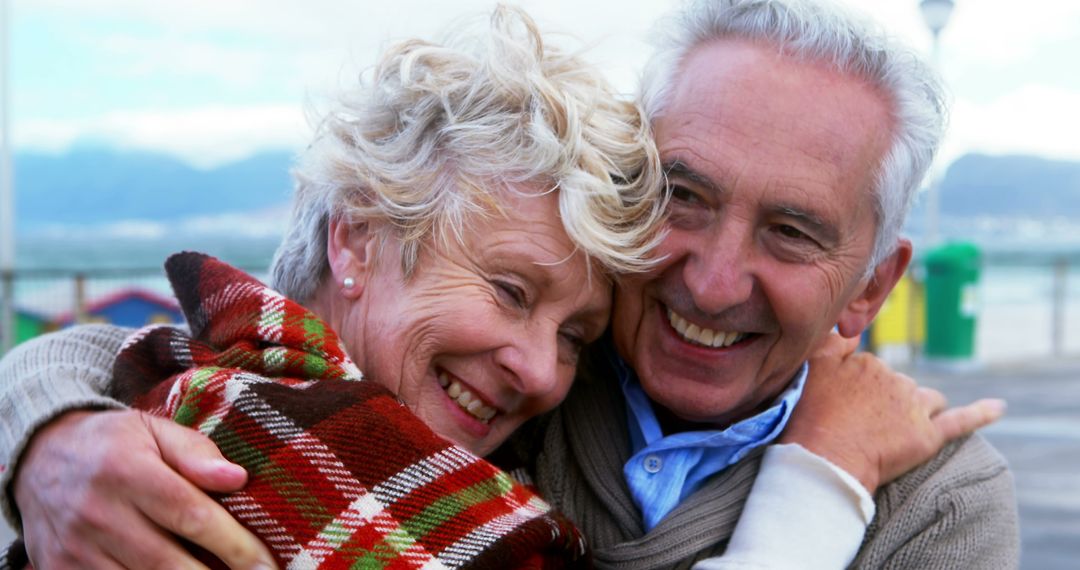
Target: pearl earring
[(349, 282)]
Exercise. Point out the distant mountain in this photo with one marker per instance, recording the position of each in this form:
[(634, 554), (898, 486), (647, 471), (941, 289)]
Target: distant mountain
[(93, 186), (1011, 187), (97, 186)]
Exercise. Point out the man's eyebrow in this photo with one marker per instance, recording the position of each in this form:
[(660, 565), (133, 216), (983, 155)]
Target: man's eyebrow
[(822, 227), (680, 169)]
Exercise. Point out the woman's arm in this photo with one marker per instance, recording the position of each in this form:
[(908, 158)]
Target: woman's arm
[(100, 486), (858, 425), (803, 512)]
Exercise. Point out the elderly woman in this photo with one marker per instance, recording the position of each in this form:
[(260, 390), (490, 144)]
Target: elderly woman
[(457, 221)]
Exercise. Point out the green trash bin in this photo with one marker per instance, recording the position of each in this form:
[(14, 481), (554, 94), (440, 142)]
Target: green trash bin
[(952, 301)]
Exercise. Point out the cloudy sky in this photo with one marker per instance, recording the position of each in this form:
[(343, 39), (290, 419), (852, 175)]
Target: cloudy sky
[(214, 80)]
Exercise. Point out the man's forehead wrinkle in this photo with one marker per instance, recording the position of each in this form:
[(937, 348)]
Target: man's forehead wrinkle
[(803, 195), (831, 149), (705, 156), (830, 92)]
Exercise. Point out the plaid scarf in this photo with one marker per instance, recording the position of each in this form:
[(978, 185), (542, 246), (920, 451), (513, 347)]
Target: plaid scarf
[(341, 474)]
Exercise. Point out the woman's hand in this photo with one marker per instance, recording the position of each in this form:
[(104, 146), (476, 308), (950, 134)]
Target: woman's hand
[(872, 421), (115, 489)]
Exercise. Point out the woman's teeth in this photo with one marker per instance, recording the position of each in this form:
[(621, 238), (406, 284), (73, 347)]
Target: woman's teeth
[(465, 399), (702, 336)]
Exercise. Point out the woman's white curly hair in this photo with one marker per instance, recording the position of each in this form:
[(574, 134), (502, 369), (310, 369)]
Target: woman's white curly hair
[(441, 129)]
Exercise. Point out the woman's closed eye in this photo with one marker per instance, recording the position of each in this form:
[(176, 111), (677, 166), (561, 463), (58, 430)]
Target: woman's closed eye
[(512, 293)]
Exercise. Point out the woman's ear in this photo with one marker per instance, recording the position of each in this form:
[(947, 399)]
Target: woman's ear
[(350, 251)]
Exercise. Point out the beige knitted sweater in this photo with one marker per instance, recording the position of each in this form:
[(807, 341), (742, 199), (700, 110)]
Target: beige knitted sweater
[(957, 511)]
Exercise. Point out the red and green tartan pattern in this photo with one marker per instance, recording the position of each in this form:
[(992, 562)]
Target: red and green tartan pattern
[(341, 474)]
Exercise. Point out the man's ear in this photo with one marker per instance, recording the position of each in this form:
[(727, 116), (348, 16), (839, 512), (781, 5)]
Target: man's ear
[(350, 252), (858, 313)]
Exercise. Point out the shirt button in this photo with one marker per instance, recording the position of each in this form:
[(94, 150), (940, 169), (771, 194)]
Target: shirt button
[(653, 463)]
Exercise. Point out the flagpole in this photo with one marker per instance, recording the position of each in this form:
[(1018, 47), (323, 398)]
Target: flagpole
[(7, 194)]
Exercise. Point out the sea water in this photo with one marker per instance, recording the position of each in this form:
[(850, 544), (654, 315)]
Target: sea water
[(1015, 311)]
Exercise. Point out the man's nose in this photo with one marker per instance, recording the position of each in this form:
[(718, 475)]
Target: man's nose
[(719, 273)]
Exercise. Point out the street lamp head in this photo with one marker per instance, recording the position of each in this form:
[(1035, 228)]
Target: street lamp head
[(936, 14)]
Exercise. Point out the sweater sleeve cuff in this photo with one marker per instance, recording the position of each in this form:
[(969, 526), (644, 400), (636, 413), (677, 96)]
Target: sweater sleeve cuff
[(803, 512), (42, 379), (18, 446)]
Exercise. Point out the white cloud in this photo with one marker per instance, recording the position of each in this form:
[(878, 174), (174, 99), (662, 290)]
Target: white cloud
[(204, 137), (308, 42), (1034, 119), (135, 57), (316, 45), (1006, 31), (342, 23), (300, 50)]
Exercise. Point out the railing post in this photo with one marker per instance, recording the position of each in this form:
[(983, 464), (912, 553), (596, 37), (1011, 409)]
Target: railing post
[(1061, 271), (7, 310), (79, 315)]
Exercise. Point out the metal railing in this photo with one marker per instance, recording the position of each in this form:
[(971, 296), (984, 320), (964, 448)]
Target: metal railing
[(1028, 300), (1047, 285), (51, 298), (1028, 307)]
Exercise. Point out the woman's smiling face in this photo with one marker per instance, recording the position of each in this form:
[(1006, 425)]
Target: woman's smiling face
[(485, 333)]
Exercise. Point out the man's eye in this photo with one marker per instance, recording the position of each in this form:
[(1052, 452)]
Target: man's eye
[(683, 194), (791, 232), (688, 209), (513, 293)]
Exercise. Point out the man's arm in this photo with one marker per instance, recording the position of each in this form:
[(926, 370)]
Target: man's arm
[(45, 377), (107, 489)]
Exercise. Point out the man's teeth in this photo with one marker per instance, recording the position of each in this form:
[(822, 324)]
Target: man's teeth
[(702, 336), (466, 400)]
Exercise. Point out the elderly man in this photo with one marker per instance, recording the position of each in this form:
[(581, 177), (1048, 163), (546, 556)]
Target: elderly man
[(795, 137)]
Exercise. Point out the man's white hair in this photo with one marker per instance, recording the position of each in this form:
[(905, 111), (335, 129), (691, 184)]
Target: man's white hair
[(821, 31), (438, 130)]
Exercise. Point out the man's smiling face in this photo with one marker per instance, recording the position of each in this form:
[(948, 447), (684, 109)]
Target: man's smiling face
[(772, 163)]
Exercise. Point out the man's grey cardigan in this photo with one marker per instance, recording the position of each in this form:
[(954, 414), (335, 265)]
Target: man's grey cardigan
[(958, 511)]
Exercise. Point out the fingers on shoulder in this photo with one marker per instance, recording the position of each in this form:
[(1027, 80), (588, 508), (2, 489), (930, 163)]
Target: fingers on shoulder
[(932, 400), (962, 420)]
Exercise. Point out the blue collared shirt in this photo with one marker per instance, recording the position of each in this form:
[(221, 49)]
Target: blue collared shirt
[(664, 470)]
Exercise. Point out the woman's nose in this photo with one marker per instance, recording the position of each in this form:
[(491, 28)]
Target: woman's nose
[(531, 363)]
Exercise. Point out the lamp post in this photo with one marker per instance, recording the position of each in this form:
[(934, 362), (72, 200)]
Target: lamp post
[(7, 195), (936, 14)]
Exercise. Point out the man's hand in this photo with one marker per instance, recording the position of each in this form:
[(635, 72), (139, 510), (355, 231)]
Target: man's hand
[(872, 421), (114, 489)]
